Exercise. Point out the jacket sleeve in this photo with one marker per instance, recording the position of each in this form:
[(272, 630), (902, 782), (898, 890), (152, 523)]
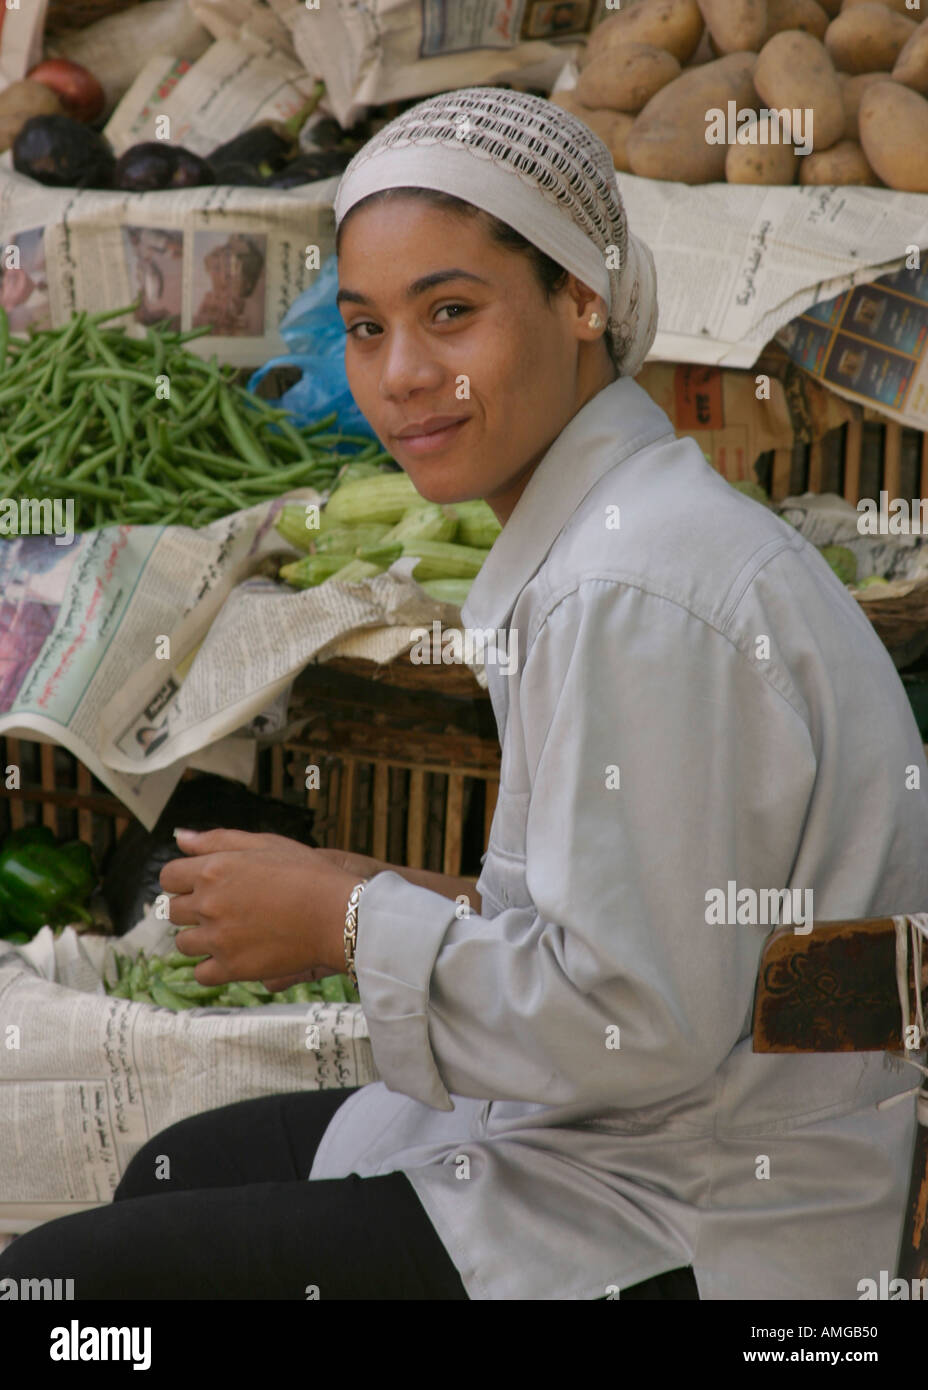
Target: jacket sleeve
[(660, 762)]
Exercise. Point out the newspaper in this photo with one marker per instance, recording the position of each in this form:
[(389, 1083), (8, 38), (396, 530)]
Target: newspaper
[(139, 647), (396, 50), (86, 1078), (175, 251), (736, 263), (236, 83)]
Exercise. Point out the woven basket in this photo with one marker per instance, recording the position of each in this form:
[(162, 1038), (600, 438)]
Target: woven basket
[(901, 623), (77, 14)]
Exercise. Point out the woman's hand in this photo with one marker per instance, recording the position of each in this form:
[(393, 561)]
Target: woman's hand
[(262, 907)]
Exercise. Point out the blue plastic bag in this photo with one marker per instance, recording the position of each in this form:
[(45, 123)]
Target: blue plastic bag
[(315, 333)]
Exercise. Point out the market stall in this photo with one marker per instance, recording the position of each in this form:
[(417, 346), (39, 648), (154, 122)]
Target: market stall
[(211, 569)]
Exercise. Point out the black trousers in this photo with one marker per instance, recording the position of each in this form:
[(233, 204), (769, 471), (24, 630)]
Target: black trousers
[(219, 1206)]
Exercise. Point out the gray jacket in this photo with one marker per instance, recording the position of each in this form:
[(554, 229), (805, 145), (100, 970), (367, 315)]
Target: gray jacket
[(568, 1079)]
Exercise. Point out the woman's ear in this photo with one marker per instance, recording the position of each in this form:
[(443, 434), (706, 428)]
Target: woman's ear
[(589, 310)]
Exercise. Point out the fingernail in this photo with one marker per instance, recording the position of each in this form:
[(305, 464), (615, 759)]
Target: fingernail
[(181, 831)]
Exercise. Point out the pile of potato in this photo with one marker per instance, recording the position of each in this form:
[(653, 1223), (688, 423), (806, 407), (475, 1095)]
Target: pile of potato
[(653, 70)]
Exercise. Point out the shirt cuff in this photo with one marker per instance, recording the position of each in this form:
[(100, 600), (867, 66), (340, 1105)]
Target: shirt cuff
[(400, 931)]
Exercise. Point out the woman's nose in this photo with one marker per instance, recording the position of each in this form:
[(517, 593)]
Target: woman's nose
[(408, 365)]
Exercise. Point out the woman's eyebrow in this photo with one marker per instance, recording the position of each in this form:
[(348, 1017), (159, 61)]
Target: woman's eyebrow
[(426, 282)]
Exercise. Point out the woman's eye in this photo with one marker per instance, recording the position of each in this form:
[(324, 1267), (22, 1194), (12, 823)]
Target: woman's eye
[(353, 330), (463, 307)]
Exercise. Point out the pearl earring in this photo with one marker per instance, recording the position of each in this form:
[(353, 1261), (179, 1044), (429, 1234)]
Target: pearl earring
[(594, 320)]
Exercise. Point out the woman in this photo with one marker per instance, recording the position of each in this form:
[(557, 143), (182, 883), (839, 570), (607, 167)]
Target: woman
[(570, 1107)]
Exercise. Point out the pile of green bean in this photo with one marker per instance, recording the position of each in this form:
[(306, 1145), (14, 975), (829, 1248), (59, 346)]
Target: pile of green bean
[(169, 981), (82, 418)]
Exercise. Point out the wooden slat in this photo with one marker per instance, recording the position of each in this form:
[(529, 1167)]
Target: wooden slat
[(332, 784), (782, 469), (415, 825), (454, 824), (892, 459), (816, 464), (47, 764), (852, 446), (346, 804), (381, 809), (923, 490), (277, 771), (84, 816)]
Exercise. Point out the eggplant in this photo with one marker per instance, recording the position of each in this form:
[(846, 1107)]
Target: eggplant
[(266, 146), (269, 144), (307, 168), (155, 164), (241, 173), (62, 153)]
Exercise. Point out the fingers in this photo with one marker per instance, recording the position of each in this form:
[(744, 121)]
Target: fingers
[(182, 912), (211, 841)]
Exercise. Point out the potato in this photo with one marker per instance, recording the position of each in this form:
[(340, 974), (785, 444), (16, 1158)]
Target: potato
[(911, 67), (795, 14), (867, 38), (626, 76), (675, 25), (899, 6), (736, 26), (794, 71), (668, 139), (894, 135), (612, 127), (852, 89), (21, 100), (767, 161), (844, 163)]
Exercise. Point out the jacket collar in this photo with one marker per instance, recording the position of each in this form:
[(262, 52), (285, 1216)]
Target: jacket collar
[(618, 421)]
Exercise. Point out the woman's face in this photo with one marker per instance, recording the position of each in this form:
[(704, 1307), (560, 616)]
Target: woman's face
[(488, 350)]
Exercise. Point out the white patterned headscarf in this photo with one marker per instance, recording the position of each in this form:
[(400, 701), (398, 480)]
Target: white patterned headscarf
[(538, 168)]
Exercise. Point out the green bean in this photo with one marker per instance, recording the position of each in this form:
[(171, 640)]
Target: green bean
[(90, 465), (125, 409), (110, 374), (83, 489), (106, 314), (166, 997), (102, 350), (109, 414), (237, 993), (239, 436), (200, 482)]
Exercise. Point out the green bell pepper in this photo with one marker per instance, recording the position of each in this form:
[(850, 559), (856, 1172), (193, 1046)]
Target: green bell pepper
[(43, 882)]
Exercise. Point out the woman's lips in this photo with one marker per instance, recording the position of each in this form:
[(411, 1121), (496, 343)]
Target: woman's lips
[(430, 443)]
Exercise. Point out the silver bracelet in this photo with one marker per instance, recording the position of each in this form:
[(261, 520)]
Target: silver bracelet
[(351, 929)]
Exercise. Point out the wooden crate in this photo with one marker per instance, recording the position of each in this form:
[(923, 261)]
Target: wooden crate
[(408, 772)]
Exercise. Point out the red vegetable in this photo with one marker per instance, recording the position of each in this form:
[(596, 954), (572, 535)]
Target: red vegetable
[(77, 89)]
